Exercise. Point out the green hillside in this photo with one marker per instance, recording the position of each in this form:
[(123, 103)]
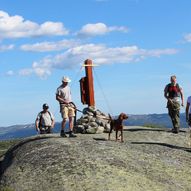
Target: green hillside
[(5, 145)]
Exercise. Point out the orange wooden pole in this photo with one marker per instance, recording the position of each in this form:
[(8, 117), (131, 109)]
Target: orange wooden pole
[(90, 85)]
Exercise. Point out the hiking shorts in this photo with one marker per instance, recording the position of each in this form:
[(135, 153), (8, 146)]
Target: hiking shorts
[(67, 111)]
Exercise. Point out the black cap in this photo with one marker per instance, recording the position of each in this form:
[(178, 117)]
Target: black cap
[(45, 106)]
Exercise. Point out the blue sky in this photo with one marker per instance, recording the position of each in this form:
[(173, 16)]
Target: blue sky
[(138, 45)]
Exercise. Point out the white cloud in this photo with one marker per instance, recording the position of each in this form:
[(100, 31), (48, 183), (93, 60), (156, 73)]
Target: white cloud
[(17, 27), (49, 46), (187, 37), (25, 72), (99, 29), (10, 73), (42, 68), (6, 47), (100, 54), (120, 29)]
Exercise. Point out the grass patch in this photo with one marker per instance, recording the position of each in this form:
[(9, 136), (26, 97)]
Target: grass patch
[(154, 125), (5, 145), (6, 189)]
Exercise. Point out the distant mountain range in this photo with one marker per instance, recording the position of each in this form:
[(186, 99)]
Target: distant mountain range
[(159, 120), (21, 131)]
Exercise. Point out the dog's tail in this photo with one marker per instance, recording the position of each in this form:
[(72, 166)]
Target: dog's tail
[(110, 118), (110, 121)]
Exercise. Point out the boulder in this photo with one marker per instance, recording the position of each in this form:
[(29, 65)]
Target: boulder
[(148, 159)]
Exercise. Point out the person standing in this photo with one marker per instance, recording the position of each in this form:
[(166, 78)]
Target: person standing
[(188, 111), (173, 92), (188, 117), (45, 120), (67, 107)]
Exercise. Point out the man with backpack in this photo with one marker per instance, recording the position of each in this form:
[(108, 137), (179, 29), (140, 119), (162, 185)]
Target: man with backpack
[(67, 107), (173, 92), (44, 121)]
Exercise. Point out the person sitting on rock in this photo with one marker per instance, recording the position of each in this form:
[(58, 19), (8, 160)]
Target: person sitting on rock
[(45, 121)]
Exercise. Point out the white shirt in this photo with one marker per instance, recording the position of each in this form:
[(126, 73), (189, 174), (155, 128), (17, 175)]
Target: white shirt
[(189, 101), (65, 93), (46, 118)]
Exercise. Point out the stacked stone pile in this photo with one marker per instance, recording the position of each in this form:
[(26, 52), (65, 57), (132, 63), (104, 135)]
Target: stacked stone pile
[(92, 121)]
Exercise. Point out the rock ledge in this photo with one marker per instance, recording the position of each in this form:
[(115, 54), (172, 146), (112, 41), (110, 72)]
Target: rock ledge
[(149, 159)]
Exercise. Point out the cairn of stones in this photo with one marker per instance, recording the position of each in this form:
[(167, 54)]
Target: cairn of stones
[(92, 121)]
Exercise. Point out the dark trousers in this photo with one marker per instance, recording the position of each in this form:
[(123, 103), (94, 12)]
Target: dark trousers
[(189, 120), (174, 113), (45, 130)]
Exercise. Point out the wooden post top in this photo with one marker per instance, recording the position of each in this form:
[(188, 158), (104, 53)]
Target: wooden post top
[(87, 85)]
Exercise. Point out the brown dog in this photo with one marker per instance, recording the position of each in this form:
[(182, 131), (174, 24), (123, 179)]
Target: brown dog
[(117, 125)]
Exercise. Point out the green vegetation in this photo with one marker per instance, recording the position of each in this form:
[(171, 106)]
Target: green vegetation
[(5, 145), (153, 125), (6, 189)]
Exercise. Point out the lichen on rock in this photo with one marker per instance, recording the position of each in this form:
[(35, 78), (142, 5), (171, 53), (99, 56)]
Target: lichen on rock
[(149, 159)]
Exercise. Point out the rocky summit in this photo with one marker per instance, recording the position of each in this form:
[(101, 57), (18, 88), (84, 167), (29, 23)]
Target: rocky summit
[(149, 159)]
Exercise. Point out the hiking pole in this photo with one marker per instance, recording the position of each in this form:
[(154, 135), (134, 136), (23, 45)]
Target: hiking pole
[(78, 110), (74, 107)]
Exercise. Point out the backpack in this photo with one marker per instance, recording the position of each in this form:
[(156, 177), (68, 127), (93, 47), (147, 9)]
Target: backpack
[(173, 91)]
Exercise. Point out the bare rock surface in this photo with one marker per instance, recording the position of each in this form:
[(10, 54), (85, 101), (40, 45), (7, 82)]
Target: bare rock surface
[(148, 159)]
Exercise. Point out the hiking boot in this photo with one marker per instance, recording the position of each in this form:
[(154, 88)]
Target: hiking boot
[(71, 135), (175, 131), (63, 134)]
